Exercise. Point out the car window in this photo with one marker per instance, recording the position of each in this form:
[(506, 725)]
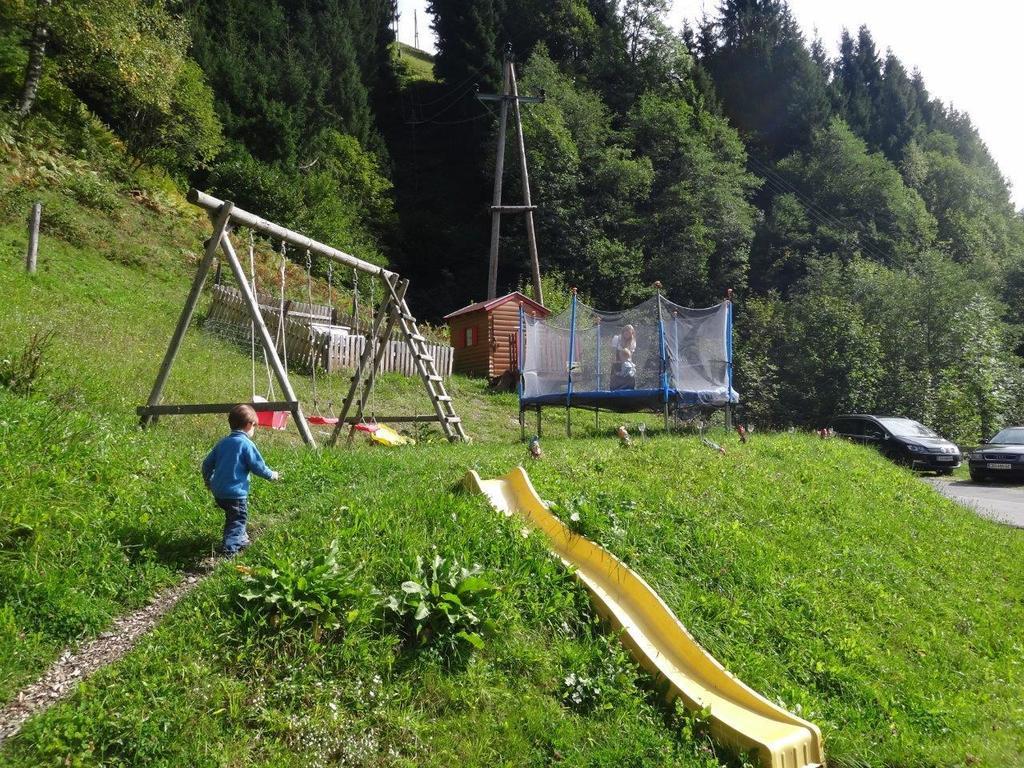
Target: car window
[(873, 430), (907, 428), (1009, 436), (846, 426)]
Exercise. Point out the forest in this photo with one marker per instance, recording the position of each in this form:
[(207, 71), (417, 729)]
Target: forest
[(867, 232)]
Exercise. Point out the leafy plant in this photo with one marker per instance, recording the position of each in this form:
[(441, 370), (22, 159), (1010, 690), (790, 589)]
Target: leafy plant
[(444, 603), (317, 593)]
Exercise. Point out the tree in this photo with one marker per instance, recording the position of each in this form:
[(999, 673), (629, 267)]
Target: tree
[(566, 28), (976, 221), (467, 45), (770, 87), (588, 185), (699, 223), (282, 72), (854, 204), (977, 386), (127, 61), (857, 82), (898, 116), (36, 55)]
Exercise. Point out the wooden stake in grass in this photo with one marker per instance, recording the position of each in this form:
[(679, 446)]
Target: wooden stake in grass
[(33, 238)]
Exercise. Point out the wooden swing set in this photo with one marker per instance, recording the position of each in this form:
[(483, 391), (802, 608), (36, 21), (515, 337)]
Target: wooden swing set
[(392, 312)]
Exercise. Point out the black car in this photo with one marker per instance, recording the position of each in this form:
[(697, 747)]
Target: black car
[(903, 440), (1001, 456)]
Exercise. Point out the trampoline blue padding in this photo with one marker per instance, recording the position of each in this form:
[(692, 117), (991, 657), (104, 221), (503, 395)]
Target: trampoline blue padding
[(630, 400)]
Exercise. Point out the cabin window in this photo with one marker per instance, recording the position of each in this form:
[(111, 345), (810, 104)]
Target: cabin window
[(470, 339)]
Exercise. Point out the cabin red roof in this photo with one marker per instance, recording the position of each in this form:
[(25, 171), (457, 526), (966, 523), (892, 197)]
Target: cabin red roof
[(492, 303)]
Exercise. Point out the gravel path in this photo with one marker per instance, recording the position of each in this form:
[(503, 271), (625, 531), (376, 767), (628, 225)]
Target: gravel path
[(72, 667)]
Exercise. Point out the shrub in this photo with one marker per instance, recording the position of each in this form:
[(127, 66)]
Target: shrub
[(318, 593), (257, 187), (443, 604)]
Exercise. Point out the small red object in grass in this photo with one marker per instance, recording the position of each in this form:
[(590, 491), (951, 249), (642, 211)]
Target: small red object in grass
[(742, 432)]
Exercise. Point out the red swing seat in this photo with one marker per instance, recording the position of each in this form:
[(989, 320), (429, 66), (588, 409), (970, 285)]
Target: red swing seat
[(322, 420), (272, 419)]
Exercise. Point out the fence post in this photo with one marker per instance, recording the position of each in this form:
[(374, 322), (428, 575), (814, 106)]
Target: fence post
[(33, 238)]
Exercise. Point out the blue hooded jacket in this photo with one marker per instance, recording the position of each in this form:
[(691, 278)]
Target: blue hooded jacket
[(226, 468)]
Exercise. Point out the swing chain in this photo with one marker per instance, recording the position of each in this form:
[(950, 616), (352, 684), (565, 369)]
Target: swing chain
[(314, 352)]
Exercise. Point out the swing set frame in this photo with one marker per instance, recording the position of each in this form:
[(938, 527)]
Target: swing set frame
[(393, 309)]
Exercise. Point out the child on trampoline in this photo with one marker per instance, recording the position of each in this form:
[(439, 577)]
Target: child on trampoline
[(624, 369), (226, 475)]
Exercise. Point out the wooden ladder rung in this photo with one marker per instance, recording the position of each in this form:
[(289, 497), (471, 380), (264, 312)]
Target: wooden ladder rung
[(453, 419), (417, 337), (443, 398)]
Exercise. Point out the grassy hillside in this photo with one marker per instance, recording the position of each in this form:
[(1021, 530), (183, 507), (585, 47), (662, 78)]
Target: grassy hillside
[(822, 576), (417, 64)]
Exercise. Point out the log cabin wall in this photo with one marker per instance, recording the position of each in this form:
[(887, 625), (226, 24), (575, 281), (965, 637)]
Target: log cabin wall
[(470, 334)]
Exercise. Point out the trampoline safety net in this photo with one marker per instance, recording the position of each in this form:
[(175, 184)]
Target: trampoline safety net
[(654, 354)]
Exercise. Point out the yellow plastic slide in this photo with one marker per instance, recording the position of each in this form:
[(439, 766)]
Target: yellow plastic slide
[(739, 717)]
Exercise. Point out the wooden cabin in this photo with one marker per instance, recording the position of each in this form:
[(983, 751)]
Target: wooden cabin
[(485, 335)]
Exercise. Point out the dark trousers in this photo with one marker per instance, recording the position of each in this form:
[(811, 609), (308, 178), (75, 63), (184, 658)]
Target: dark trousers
[(236, 515)]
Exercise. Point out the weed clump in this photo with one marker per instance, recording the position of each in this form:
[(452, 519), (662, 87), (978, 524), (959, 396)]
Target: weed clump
[(317, 594), (21, 373), (444, 605)]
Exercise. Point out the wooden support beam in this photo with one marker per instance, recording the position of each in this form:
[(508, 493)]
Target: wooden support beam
[(513, 208), (268, 343), (246, 219), (364, 359), (220, 225), (188, 409), (382, 343)]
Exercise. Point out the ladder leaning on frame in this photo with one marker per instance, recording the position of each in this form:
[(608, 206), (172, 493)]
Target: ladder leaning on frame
[(393, 311)]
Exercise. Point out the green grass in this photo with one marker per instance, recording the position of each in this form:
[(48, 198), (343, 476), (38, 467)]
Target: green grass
[(820, 574), (418, 65)]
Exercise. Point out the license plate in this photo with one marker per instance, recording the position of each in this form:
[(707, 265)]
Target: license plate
[(945, 458), (999, 466)]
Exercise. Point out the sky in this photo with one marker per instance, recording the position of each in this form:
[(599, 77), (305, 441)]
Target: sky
[(967, 52)]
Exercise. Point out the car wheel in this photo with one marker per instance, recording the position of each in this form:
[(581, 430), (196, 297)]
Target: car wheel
[(978, 476)]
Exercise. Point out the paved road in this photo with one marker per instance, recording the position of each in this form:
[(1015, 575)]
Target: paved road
[(999, 501)]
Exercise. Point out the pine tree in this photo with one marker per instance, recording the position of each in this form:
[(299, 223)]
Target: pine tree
[(857, 81), (897, 116), (467, 44), (771, 88)]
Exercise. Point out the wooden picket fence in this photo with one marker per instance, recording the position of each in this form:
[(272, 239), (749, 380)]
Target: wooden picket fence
[(308, 337)]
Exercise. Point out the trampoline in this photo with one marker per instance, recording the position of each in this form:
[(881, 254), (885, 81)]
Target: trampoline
[(657, 356)]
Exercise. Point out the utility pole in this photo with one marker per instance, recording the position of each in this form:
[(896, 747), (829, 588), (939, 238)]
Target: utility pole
[(510, 95), (415, 30)]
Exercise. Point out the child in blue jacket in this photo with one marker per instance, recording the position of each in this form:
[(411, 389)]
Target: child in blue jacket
[(226, 474)]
